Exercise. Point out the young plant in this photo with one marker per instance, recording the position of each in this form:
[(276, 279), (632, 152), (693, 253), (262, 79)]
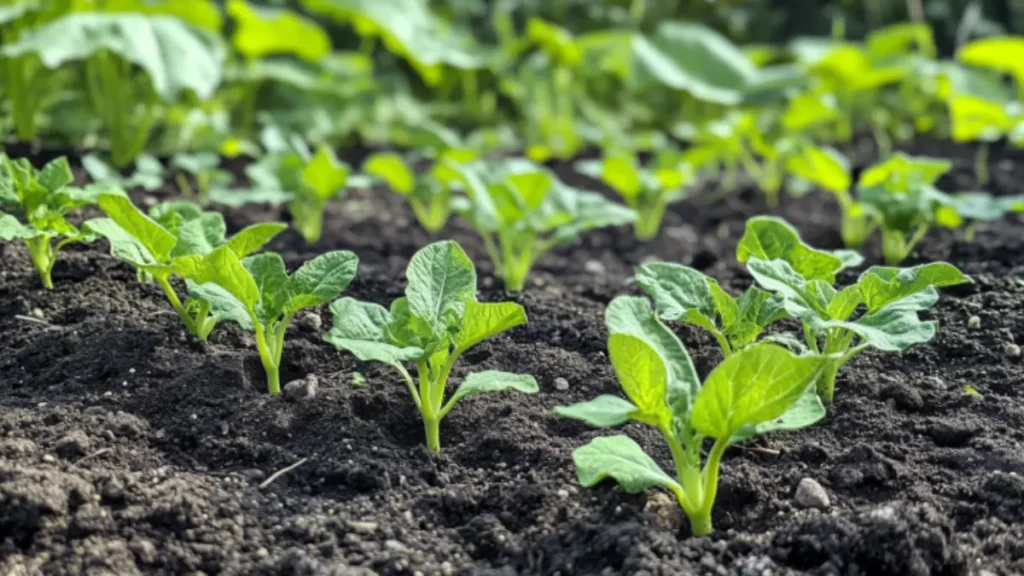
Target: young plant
[(432, 326), (260, 296), (34, 205), (522, 210), (831, 171), (900, 196), (309, 181), (648, 191), (684, 294), (976, 119), (891, 298), (429, 194), (204, 169), (148, 174), (754, 391), (175, 242)]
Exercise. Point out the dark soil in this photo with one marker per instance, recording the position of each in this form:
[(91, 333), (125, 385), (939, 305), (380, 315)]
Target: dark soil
[(127, 447)]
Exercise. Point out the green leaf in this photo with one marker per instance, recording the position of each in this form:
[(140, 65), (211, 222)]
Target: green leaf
[(676, 289), (643, 376), (359, 327), (880, 286), (260, 32), (482, 320), (623, 460), (622, 174), (756, 385), (56, 174), (605, 411), (894, 328), (823, 166), (324, 175), (139, 239), (175, 56), (441, 279), (806, 411), (694, 58), (390, 167), (845, 303), (494, 381), (633, 317), (200, 236), (900, 172), (10, 228), (973, 118), (252, 238), (321, 279), (771, 238), (224, 268), (1002, 53), (223, 305)]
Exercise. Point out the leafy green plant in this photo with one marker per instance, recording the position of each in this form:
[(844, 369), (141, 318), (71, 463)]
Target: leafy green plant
[(683, 294), (648, 191), (148, 174), (308, 181), (977, 119), (522, 211), (899, 194), (175, 241), (34, 205), (126, 79), (432, 326), (891, 297), (258, 294), (429, 194), (754, 391), (203, 168), (830, 170)]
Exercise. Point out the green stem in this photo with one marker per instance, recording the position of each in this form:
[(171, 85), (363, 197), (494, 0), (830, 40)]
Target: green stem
[(700, 520), (190, 323), (688, 476), (43, 257), (981, 165), (723, 342), (267, 355), (411, 385), (648, 222), (811, 338), (432, 428)]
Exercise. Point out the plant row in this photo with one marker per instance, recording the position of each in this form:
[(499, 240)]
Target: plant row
[(769, 380)]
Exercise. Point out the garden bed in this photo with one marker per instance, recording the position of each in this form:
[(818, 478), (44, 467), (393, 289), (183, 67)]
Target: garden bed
[(127, 447)]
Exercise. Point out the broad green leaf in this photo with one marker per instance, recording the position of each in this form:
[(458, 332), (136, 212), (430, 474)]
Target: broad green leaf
[(643, 376), (604, 411), (224, 268), (531, 187), (823, 166), (482, 320), (223, 305), (204, 14), (261, 32), (677, 289), (271, 277), (973, 118), (390, 167), (845, 303), (494, 381), (10, 228), (899, 39), (441, 279), (622, 174), (623, 460), (137, 227), (692, 57), (986, 207), (633, 317), (882, 285), (896, 327), (901, 170), (200, 236), (1002, 53), (56, 174), (753, 386), (321, 279), (324, 175), (252, 238), (771, 238), (359, 328), (175, 56), (807, 410)]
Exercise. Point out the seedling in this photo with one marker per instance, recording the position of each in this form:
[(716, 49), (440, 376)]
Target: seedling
[(522, 211), (756, 390), (684, 294), (261, 297), (437, 321), (204, 169), (900, 196), (148, 174), (175, 242), (430, 194), (831, 171), (892, 298), (648, 191), (34, 205)]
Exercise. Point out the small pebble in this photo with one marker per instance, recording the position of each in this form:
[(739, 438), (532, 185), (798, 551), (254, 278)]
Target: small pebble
[(561, 384), (810, 494), (594, 267), (664, 511), (38, 313), (303, 389), (311, 322), (1012, 351), (974, 323)]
